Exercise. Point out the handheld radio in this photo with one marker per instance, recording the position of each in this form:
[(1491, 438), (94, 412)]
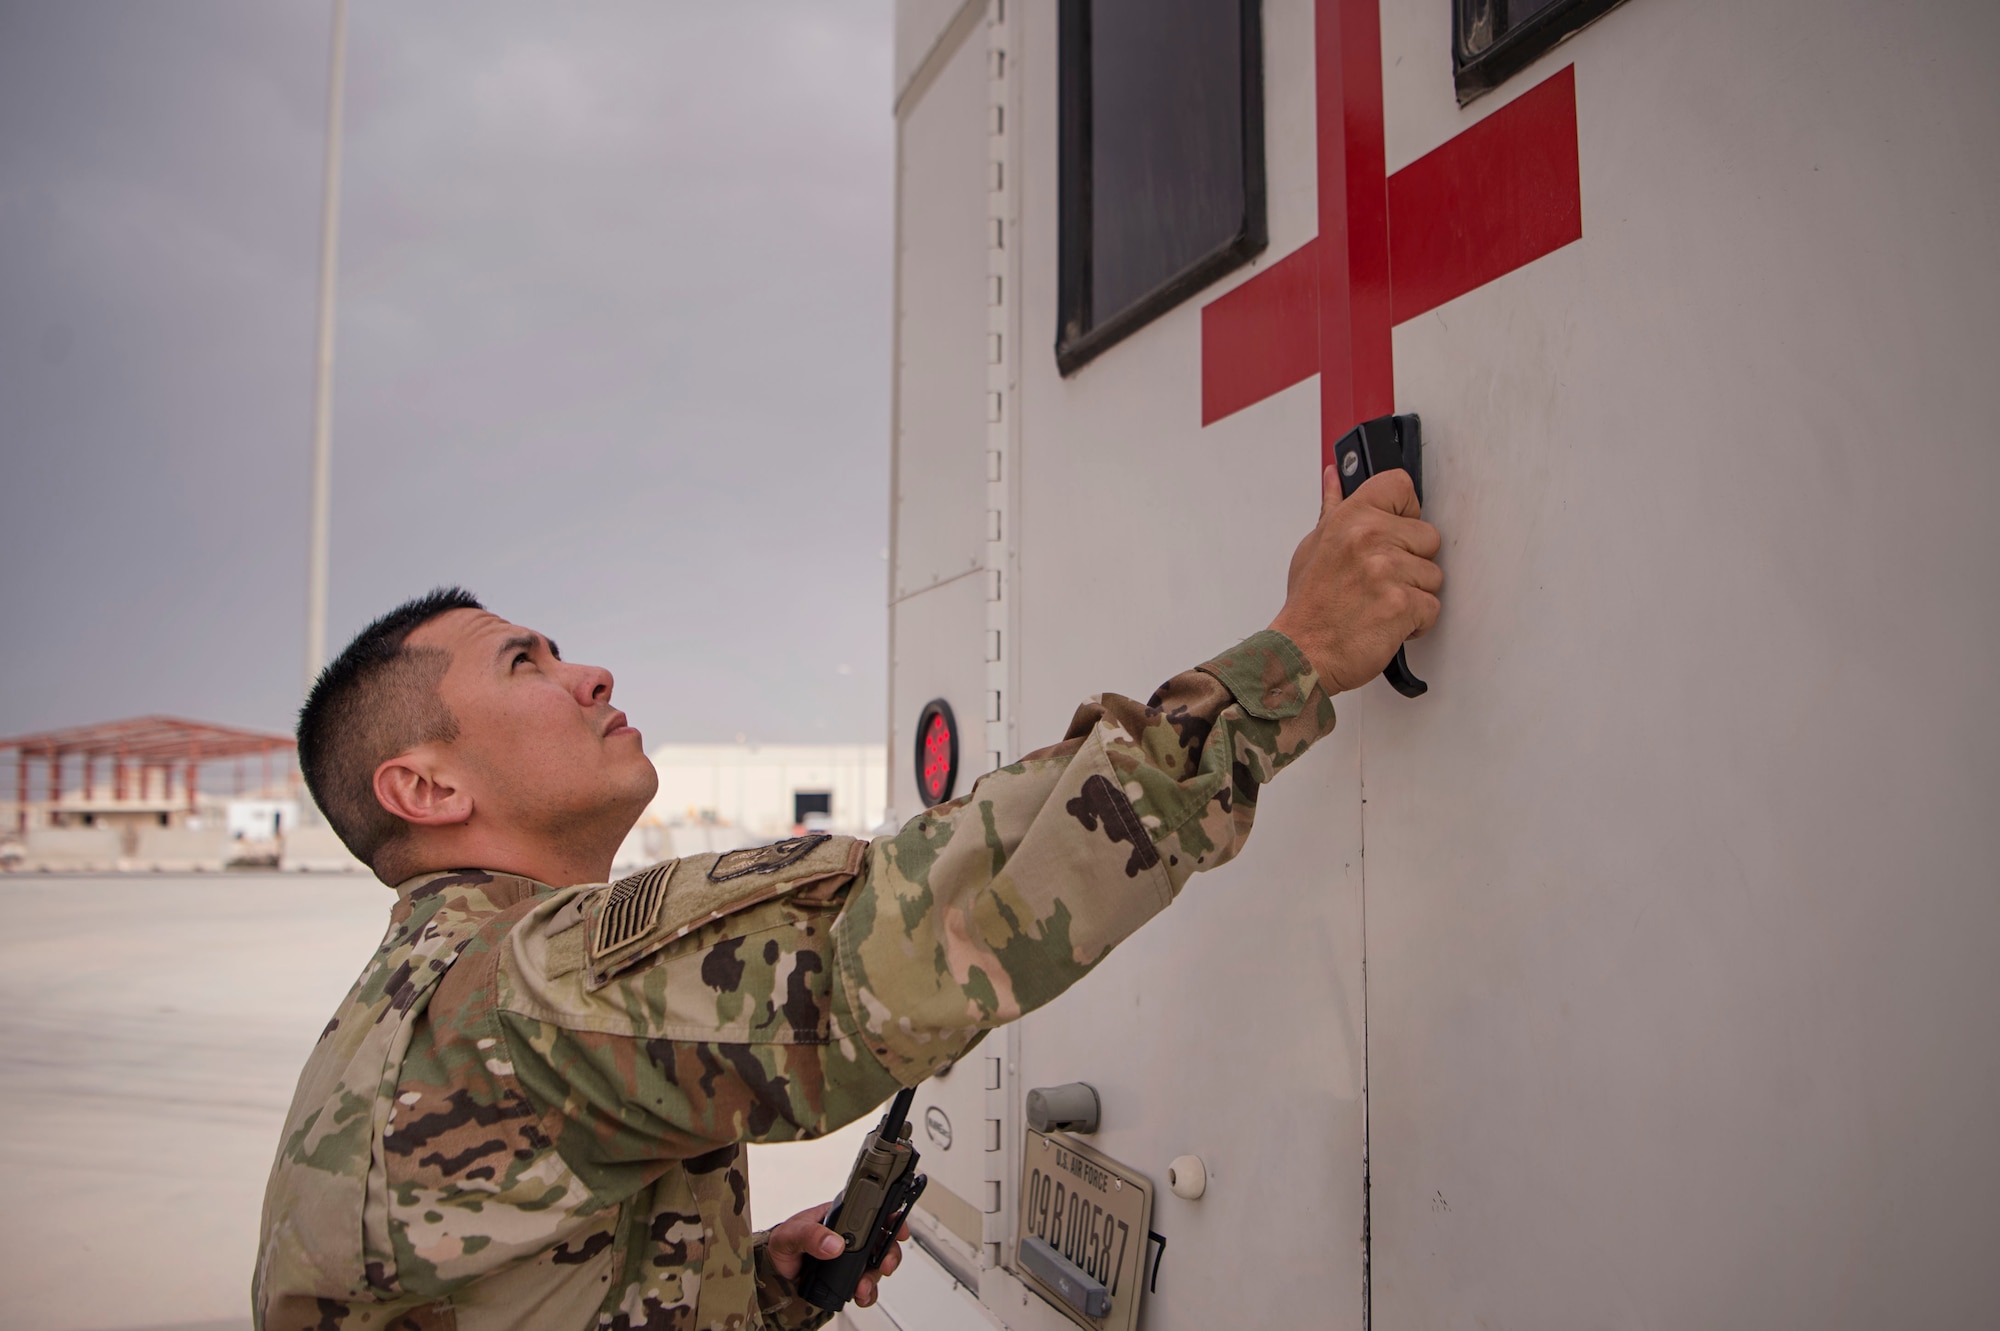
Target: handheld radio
[(870, 1209)]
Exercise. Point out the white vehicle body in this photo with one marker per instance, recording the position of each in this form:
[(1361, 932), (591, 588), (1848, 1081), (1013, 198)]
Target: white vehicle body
[(1644, 972)]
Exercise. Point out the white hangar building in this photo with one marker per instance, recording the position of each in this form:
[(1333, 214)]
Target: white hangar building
[(722, 796)]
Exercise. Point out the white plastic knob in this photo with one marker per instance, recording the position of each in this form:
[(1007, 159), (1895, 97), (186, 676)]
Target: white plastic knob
[(1187, 1176)]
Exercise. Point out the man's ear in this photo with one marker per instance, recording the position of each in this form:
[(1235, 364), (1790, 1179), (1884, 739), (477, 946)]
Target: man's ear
[(418, 789)]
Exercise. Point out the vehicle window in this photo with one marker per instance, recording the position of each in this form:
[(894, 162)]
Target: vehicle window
[(1492, 40), (1162, 159)]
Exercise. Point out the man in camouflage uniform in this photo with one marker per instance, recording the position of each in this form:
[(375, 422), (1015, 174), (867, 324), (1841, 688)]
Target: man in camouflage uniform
[(530, 1112)]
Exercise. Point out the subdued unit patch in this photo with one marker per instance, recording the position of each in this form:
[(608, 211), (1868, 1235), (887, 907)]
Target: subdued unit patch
[(631, 907), (765, 859)]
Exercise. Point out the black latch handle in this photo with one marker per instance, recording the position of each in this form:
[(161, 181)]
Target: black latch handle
[(1387, 443)]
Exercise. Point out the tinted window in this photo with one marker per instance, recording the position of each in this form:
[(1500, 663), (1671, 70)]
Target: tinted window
[(1494, 39), (1162, 159)]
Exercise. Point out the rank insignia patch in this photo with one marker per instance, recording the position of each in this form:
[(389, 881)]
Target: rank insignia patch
[(765, 859), (630, 908)]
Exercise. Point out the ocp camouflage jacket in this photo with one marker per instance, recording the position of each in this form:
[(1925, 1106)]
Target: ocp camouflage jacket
[(530, 1111)]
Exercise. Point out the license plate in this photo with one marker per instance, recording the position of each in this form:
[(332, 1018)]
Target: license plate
[(1091, 1216)]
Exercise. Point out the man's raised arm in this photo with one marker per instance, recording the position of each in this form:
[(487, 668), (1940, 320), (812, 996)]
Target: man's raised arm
[(987, 908), (800, 1005)]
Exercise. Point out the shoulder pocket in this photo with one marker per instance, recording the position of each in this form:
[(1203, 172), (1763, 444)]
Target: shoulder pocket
[(633, 918)]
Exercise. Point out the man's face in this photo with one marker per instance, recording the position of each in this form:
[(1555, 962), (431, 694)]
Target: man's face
[(540, 747)]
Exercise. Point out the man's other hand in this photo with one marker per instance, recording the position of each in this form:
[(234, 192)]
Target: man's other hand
[(804, 1234), (1362, 581)]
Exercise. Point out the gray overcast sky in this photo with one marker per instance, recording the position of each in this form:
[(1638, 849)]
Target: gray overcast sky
[(612, 350)]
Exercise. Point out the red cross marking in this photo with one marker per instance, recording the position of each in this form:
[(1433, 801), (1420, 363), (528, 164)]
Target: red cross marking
[(1499, 195)]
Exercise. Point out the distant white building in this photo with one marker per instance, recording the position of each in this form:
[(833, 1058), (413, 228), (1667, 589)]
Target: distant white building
[(720, 796), (260, 819)]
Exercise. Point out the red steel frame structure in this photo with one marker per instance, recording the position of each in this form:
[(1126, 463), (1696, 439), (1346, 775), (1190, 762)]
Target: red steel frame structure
[(134, 747)]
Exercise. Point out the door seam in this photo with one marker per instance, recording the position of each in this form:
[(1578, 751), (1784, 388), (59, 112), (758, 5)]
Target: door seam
[(1367, 1218)]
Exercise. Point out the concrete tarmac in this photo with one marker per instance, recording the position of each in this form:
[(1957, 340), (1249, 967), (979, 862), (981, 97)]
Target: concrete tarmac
[(151, 1029)]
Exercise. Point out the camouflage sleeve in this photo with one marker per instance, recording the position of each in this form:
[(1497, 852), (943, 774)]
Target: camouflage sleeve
[(862, 966), (989, 906), (778, 1298)]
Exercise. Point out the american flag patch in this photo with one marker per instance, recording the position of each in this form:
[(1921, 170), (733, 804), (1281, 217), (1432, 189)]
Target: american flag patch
[(630, 908)]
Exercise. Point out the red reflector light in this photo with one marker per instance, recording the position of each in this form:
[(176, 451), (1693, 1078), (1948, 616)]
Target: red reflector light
[(937, 752)]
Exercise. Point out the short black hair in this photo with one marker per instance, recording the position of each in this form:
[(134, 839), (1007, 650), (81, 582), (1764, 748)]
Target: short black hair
[(377, 699)]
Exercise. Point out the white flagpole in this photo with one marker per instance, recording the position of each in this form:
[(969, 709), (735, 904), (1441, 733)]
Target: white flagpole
[(322, 442)]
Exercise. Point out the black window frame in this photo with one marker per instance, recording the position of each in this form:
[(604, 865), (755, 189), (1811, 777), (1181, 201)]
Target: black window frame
[(1079, 340), (1516, 47)]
